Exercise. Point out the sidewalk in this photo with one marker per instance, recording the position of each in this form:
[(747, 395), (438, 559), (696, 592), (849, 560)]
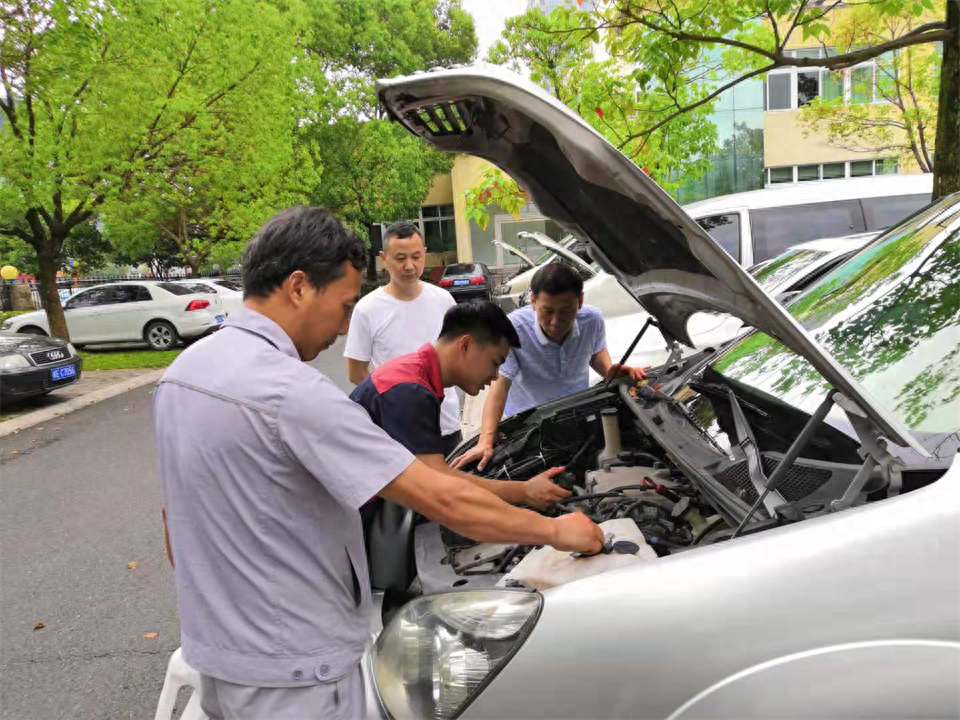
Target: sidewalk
[(93, 386)]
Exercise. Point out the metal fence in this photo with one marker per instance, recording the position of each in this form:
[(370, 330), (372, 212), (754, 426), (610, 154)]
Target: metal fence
[(67, 286)]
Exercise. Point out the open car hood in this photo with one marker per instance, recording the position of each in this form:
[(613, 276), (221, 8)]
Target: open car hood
[(511, 249), (577, 179), (553, 246)]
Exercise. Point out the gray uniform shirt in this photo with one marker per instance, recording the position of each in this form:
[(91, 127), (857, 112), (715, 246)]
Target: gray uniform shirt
[(264, 465)]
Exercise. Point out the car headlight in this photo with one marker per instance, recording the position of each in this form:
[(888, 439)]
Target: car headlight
[(13, 362), (439, 651), (7, 324), (71, 349)]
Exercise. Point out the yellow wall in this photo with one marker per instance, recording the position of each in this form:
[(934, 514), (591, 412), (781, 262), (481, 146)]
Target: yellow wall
[(784, 143), (441, 192), (467, 171)]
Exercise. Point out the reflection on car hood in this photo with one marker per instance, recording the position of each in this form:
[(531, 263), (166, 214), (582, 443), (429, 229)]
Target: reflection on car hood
[(16, 343), (577, 179), (511, 249)]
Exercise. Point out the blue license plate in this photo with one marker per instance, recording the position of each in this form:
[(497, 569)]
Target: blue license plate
[(219, 318), (62, 373), (461, 282)]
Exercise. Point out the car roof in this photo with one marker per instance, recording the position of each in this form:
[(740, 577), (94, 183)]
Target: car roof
[(790, 194)]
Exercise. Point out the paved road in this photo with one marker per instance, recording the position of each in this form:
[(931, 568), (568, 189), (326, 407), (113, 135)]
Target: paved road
[(78, 502)]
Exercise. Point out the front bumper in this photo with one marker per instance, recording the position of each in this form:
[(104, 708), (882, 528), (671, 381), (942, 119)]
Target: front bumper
[(27, 382)]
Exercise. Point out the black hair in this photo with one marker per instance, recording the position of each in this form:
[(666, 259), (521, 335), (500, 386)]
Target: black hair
[(402, 230), (303, 238), (556, 278), (483, 320)]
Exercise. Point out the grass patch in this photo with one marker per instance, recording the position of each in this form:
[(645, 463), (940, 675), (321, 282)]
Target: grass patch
[(129, 360), (7, 314)]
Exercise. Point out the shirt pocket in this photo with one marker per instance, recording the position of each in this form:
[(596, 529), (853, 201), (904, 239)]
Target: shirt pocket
[(359, 577)]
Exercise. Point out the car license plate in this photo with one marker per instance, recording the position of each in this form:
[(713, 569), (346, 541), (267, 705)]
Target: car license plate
[(219, 318), (62, 373), (461, 282)]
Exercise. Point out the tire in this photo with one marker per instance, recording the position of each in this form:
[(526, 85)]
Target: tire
[(160, 335), (32, 330)]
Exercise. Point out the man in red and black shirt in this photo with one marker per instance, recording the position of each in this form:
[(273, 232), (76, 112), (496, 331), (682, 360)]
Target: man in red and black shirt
[(403, 395)]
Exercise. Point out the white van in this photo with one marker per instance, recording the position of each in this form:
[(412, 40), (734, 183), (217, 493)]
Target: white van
[(757, 225)]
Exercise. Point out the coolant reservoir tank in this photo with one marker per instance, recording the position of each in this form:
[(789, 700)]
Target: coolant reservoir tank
[(612, 443)]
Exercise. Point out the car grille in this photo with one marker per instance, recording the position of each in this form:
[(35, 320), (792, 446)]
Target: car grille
[(45, 357), (799, 482)]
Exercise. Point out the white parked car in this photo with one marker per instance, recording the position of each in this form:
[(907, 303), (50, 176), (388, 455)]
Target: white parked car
[(158, 313), (230, 291), (782, 277), (760, 224), (510, 291)]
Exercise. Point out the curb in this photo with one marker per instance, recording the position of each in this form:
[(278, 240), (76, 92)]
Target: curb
[(11, 427)]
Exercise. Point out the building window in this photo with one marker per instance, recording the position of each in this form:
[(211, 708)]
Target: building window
[(792, 88), (781, 175), (808, 87), (779, 91), (437, 227), (832, 171)]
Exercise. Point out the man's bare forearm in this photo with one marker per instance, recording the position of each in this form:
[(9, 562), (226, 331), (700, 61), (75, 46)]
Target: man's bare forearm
[(466, 508), (507, 490), (493, 408)]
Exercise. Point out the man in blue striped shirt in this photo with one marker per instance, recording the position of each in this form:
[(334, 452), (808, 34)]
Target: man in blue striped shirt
[(560, 340)]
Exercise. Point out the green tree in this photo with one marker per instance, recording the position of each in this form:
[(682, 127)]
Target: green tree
[(907, 84), (102, 97), (373, 170), (663, 37), (559, 56)]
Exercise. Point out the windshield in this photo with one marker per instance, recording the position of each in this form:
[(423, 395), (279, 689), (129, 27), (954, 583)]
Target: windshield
[(782, 269), (890, 316)]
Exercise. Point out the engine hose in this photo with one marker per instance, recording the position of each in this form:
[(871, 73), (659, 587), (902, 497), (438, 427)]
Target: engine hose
[(583, 448), (508, 557), (590, 496)]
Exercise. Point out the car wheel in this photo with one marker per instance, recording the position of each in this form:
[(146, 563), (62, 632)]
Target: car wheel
[(160, 335), (31, 330)]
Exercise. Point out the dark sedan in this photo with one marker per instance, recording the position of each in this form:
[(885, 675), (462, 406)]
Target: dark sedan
[(467, 281), (33, 365)]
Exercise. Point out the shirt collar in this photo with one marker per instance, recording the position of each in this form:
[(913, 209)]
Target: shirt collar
[(431, 363), (574, 332), (258, 324)]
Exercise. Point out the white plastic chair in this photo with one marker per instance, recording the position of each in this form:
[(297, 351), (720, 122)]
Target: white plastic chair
[(179, 674)]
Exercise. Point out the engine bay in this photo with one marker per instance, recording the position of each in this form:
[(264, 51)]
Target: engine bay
[(634, 452)]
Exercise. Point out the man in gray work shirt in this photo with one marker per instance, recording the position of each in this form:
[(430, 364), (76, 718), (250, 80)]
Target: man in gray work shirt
[(264, 464)]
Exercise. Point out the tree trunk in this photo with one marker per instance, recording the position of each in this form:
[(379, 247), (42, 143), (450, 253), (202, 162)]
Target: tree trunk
[(49, 265), (946, 159)]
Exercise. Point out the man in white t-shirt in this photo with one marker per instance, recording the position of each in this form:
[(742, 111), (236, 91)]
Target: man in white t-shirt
[(401, 317)]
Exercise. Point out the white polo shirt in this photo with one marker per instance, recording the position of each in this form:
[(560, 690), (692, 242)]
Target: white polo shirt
[(384, 327)]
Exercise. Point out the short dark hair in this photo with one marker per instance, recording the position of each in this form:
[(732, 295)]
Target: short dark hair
[(483, 320), (556, 278), (303, 238), (401, 230)]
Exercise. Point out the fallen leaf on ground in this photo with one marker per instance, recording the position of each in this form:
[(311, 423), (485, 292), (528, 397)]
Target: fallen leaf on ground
[(39, 626), (132, 565), (150, 635), (15, 452)]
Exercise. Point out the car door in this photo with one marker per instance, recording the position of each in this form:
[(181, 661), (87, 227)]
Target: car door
[(127, 313), (84, 314)]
